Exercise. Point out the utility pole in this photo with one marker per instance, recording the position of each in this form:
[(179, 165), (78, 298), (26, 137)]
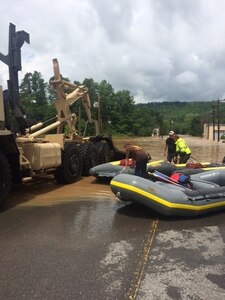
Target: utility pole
[(99, 115), (97, 105), (213, 111), (218, 120)]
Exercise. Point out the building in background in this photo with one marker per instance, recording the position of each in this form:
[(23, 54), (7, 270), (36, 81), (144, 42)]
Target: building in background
[(214, 132)]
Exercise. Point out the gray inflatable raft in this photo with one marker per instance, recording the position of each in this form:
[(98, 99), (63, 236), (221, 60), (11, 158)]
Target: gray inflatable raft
[(207, 193), (111, 169)]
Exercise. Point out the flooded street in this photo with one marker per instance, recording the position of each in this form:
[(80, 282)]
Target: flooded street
[(47, 192), (202, 149), (80, 242)]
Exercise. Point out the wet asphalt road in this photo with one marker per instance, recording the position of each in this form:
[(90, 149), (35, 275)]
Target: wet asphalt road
[(106, 249)]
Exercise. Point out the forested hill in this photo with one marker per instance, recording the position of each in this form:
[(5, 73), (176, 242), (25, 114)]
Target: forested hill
[(185, 117), (119, 113)]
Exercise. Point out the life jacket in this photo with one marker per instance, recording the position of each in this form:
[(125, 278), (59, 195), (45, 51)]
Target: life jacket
[(181, 179), (129, 163)]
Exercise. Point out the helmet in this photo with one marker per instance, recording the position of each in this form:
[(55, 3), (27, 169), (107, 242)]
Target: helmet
[(171, 132)]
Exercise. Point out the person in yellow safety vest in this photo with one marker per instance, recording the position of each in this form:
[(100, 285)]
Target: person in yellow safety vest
[(182, 149)]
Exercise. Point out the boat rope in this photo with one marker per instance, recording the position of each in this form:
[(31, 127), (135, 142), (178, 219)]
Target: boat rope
[(144, 255)]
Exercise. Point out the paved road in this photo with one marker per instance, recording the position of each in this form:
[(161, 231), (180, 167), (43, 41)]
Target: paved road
[(56, 244)]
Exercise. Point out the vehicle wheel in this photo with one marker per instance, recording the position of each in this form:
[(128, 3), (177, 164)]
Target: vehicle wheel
[(118, 154), (90, 156), (5, 179), (104, 152), (71, 167)]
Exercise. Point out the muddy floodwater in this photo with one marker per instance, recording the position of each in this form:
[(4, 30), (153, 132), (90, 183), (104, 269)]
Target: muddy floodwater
[(45, 191), (202, 149)]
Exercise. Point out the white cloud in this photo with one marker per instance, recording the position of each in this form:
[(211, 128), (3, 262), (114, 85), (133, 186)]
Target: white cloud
[(155, 49), (187, 78)]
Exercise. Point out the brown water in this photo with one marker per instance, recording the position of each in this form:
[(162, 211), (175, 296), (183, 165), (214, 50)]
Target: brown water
[(202, 149), (45, 190)]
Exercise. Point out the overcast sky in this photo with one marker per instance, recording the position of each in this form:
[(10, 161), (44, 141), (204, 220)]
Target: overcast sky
[(159, 50)]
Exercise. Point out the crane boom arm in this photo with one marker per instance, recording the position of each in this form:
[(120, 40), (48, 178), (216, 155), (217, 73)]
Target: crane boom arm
[(64, 100)]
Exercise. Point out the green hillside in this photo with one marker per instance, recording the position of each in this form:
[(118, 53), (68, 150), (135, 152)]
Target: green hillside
[(120, 114)]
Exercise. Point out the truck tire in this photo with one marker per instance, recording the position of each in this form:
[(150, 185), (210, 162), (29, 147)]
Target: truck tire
[(5, 179), (90, 157), (71, 168), (118, 155), (104, 152)]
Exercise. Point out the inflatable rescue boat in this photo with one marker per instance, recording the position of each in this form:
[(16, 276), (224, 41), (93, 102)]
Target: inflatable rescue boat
[(205, 194), (111, 169)]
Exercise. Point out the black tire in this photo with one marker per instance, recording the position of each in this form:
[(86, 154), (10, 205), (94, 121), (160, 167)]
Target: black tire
[(90, 157), (104, 152), (71, 168), (118, 154), (5, 179)]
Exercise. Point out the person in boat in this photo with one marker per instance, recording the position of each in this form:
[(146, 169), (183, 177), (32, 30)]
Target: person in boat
[(182, 149), (170, 148), (139, 157)]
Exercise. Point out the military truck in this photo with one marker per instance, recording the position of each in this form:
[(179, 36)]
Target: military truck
[(35, 151)]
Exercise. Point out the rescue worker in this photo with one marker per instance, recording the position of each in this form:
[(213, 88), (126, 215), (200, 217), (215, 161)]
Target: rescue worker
[(170, 148), (182, 149), (139, 156)]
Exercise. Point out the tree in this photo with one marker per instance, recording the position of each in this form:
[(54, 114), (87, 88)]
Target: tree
[(106, 94), (34, 87), (119, 113), (33, 97), (196, 126)]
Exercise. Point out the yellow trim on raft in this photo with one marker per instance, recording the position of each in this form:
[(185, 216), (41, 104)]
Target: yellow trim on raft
[(115, 163), (203, 169), (163, 201), (153, 163), (158, 163), (212, 168), (184, 165)]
